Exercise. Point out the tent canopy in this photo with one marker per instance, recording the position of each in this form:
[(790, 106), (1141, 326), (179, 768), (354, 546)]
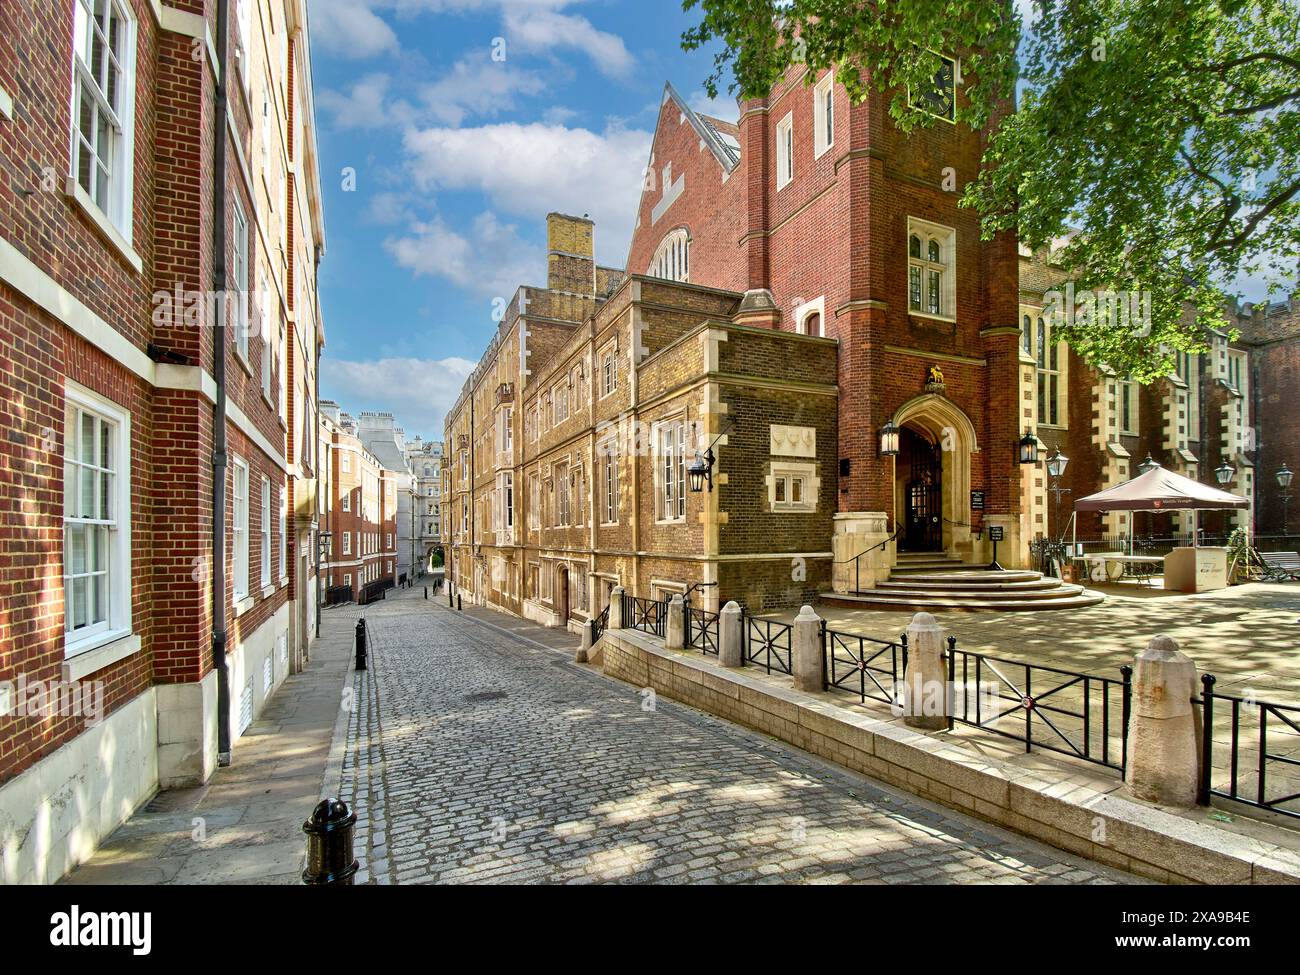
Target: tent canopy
[(1159, 490)]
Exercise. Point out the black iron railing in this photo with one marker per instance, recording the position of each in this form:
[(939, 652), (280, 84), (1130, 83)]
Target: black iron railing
[(701, 630), (767, 643), (1045, 707), (1264, 741), (857, 559), (338, 594), (647, 615), (862, 665), (599, 624)]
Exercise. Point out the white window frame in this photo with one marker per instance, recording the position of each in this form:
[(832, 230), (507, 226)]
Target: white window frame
[(345, 462), (1127, 388), (672, 258), (266, 532), (347, 543), (114, 199), (824, 114), (787, 480), (1051, 368), (239, 278), (114, 507), (610, 484), (923, 266), (609, 369), (239, 528), (345, 501), (785, 151), (670, 471), (284, 533)]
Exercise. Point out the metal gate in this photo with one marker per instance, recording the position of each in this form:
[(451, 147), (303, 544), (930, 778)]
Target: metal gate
[(923, 500)]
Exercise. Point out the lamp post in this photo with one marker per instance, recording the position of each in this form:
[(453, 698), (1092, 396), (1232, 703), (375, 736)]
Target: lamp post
[(1056, 465), (1147, 465), (1284, 482)]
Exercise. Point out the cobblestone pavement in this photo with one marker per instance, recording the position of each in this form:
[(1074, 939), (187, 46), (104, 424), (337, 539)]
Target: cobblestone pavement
[(475, 755)]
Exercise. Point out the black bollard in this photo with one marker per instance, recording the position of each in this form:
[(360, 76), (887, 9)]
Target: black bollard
[(361, 644), (449, 597), (426, 592), (458, 605), (329, 830)]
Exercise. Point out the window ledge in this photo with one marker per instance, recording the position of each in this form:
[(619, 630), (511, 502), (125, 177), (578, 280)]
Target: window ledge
[(100, 219), (949, 319), (242, 606), (268, 590), (82, 663)]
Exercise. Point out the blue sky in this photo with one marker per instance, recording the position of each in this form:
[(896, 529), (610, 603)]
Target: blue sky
[(447, 130), (465, 122)]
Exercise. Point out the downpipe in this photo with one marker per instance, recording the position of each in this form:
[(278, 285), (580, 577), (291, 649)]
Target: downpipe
[(219, 457)]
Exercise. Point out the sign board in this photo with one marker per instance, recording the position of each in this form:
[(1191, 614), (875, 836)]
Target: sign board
[(995, 533), (977, 501)]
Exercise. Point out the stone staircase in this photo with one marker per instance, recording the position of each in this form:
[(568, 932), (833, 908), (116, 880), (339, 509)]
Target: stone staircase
[(933, 581)]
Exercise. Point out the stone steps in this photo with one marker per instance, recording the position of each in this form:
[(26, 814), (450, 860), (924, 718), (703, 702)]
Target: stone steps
[(923, 582)]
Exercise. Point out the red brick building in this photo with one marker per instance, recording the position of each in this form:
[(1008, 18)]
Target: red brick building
[(831, 222), (359, 511), (158, 323)]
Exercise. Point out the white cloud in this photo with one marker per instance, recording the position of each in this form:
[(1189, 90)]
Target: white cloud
[(365, 105), (529, 169), (475, 85), (418, 391), (546, 31), (350, 29), (492, 260)]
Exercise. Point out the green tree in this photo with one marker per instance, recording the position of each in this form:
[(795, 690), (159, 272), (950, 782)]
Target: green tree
[(1158, 138)]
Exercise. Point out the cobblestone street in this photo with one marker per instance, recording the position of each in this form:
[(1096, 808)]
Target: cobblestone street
[(480, 755)]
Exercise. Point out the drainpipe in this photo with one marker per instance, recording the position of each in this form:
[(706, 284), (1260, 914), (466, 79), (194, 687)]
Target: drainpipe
[(219, 410)]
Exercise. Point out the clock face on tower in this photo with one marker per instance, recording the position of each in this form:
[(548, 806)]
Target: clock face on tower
[(942, 99)]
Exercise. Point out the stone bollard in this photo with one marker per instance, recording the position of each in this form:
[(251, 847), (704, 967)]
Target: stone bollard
[(1164, 730), (675, 624), (927, 698), (616, 608), (806, 652), (581, 656), (731, 644)]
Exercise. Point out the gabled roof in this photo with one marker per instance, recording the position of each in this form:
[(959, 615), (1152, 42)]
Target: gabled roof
[(722, 138)]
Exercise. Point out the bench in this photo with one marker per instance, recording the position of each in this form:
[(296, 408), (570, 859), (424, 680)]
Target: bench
[(1281, 565)]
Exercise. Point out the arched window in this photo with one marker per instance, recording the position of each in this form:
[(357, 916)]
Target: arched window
[(1027, 334), (812, 325), (929, 269), (672, 259)]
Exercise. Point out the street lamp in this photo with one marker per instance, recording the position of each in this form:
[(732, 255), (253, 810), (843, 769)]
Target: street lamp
[(701, 470), (1147, 465), (1284, 482), (889, 439), (1224, 473), (1028, 447), (1056, 465)]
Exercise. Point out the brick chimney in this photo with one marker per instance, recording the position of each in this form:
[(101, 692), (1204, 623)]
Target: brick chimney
[(570, 254)]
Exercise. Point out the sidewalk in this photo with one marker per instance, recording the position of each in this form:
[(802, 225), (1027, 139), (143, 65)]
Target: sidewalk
[(245, 825)]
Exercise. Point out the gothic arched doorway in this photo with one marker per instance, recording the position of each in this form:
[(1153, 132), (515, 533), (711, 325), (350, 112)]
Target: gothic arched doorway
[(920, 474)]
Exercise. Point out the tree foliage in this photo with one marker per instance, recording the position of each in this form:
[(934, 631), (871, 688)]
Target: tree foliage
[(1154, 143)]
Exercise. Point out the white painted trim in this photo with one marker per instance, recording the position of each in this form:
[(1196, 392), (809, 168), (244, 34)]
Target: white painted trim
[(27, 278), (92, 661), (105, 226), (6, 105)]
